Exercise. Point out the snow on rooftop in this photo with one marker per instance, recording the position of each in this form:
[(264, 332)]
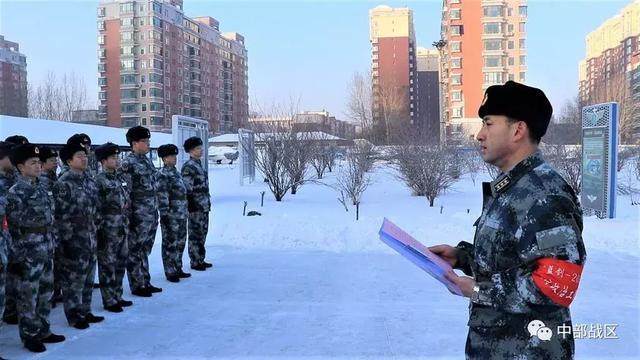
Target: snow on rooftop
[(42, 131)]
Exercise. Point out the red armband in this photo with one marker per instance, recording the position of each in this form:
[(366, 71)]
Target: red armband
[(5, 224), (557, 279)]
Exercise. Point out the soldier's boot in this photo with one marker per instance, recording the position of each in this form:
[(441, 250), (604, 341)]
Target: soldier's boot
[(116, 308), (199, 267), (53, 338), (34, 345), (173, 278), (183, 275), (81, 324), (125, 303), (92, 319), (206, 264), (142, 292), (154, 289)]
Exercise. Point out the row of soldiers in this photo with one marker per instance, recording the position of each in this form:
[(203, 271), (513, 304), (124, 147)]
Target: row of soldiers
[(57, 227)]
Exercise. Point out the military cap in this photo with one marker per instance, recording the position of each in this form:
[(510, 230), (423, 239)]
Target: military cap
[(17, 139), (24, 152), (191, 143), (138, 133), (67, 151), (519, 102), (82, 139), (105, 150), (47, 153), (167, 150)]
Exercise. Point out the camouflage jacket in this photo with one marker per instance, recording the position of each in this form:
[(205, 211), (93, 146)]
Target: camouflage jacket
[(114, 195), (4, 232), (196, 180), (77, 199), (143, 178), (528, 253), (172, 193), (29, 217), (48, 180)]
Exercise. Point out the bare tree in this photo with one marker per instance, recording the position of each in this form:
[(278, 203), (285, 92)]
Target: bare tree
[(427, 170), (392, 113), (352, 181), (566, 128), (57, 99), (360, 103), (567, 160), (618, 89), (299, 153), (323, 157)]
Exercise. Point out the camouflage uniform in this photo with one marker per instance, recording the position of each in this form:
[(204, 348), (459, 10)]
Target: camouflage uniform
[(530, 226), (114, 210), (30, 223), (144, 217), (4, 242), (76, 217), (172, 198), (48, 180), (7, 180), (196, 180)]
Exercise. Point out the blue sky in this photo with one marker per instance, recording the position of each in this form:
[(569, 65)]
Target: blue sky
[(306, 49)]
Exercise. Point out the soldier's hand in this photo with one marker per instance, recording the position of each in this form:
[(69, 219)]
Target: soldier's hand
[(465, 283), (446, 252)]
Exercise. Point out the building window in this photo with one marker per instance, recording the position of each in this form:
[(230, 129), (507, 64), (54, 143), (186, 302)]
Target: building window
[(510, 45), (511, 77), (511, 61), (456, 79), (101, 12), (101, 25), (521, 44), (454, 1), (155, 106), (127, 79), (456, 63), (457, 112), (126, 8), (522, 76), (457, 30), (144, 107), (493, 10), (127, 64), (492, 61), (455, 14), (456, 95), (522, 10), (493, 44), (493, 78), (493, 28), (157, 8), (102, 95), (102, 67), (102, 81), (456, 46), (129, 108), (102, 53), (157, 22), (157, 120), (523, 60), (155, 92), (510, 29), (129, 94), (522, 27), (126, 22), (101, 39), (126, 36)]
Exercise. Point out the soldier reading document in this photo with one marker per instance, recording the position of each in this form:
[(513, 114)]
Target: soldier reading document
[(525, 263)]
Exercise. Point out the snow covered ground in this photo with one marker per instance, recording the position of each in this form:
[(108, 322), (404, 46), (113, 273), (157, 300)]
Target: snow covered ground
[(305, 280)]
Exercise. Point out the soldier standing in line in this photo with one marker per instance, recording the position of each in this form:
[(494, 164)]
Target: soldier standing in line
[(528, 254), (76, 197), (8, 177), (30, 223), (197, 181), (48, 178), (85, 141), (114, 210), (144, 210), (5, 163), (172, 198)]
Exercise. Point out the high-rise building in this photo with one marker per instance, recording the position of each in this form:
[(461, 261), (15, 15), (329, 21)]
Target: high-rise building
[(394, 73), (483, 44), (154, 62), (612, 54), (428, 94), (13, 79)]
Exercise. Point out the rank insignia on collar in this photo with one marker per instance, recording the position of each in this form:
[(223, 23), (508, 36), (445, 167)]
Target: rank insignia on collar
[(502, 183)]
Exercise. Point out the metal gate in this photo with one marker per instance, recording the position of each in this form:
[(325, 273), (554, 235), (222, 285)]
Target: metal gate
[(184, 127)]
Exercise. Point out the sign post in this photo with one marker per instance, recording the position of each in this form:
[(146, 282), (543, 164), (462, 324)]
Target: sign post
[(247, 150), (599, 158), (184, 127)]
